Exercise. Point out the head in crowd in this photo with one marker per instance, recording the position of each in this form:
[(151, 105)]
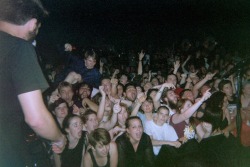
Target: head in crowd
[(187, 94), (106, 83), (204, 88), (155, 81), (183, 105), (130, 91), (120, 89), (139, 89), (90, 58), (246, 88), (84, 90), (90, 120), (122, 115), (123, 79), (170, 98), (214, 109), (148, 85), (152, 93), (99, 139), (162, 115), (28, 13), (148, 105), (65, 91), (134, 128), (72, 126), (247, 74), (226, 87), (59, 108), (172, 78)]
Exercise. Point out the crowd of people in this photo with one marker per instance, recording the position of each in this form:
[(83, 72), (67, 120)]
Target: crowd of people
[(177, 111), (185, 106)]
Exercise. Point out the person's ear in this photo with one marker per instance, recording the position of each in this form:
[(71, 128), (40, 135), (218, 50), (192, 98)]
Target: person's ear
[(32, 24)]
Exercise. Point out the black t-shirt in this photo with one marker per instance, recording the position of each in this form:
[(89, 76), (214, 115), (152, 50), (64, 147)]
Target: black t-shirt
[(19, 73)]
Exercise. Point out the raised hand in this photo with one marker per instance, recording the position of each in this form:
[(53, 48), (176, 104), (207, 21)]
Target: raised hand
[(168, 85), (210, 76), (101, 89), (59, 146), (206, 95), (177, 64), (141, 55), (117, 108)]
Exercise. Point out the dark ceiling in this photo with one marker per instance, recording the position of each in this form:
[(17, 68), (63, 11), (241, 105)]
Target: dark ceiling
[(124, 22)]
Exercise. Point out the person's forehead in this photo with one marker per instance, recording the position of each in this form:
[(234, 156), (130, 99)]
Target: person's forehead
[(106, 81), (131, 87)]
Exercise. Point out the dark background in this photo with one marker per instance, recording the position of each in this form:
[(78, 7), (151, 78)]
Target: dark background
[(139, 24)]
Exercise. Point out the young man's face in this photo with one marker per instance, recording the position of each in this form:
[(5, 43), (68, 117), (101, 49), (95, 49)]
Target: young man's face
[(131, 93), (66, 94), (106, 83), (90, 62), (162, 116)]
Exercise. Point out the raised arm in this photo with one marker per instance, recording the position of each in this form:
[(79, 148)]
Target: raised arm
[(197, 86), (141, 55), (113, 120), (114, 83), (177, 118), (141, 99), (176, 66), (93, 106), (184, 64), (101, 107), (157, 98)]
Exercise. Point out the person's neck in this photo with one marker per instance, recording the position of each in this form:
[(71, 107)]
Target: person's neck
[(60, 121), (158, 122), (149, 115), (72, 141), (12, 29)]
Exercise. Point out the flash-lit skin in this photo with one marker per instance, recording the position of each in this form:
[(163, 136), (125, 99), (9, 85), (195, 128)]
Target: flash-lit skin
[(162, 117), (122, 116), (185, 107), (147, 86), (135, 130), (155, 82), (106, 83), (92, 123), (188, 95), (119, 91), (101, 150), (172, 79), (171, 96), (84, 92), (90, 62), (153, 94), (245, 97), (131, 93), (61, 111), (204, 88), (74, 130), (107, 107), (147, 107), (66, 93), (123, 79), (138, 89)]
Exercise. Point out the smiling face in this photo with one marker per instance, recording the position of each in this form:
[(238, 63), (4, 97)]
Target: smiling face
[(162, 116), (131, 93), (84, 91), (228, 90), (75, 128), (134, 130), (147, 106), (102, 150)]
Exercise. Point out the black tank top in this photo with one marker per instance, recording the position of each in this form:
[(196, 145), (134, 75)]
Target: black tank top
[(94, 161)]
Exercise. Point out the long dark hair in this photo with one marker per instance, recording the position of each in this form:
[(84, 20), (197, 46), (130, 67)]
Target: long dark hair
[(213, 113)]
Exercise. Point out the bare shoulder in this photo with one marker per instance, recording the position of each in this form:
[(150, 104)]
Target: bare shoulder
[(113, 147)]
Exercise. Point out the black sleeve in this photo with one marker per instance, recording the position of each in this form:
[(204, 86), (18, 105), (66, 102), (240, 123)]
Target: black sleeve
[(26, 73), (149, 154), (121, 153)]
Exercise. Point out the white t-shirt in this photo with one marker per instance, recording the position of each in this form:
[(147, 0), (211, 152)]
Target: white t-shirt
[(165, 132)]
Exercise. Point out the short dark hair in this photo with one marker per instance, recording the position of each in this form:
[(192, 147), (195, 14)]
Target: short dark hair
[(223, 82), (67, 120), (19, 12), (59, 101), (64, 84), (90, 53), (86, 115), (99, 135), (129, 84), (127, 123)]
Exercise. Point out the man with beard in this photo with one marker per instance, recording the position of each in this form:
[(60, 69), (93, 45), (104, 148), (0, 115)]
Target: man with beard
[(169, 98), (22, 81)]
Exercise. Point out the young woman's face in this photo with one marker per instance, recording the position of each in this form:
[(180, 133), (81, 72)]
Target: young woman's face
[(122, 116), (135, 130), (61, 111), (75, 128), (228, 90), (147, 107), (102, 150), (92, 123), (186, 106)]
